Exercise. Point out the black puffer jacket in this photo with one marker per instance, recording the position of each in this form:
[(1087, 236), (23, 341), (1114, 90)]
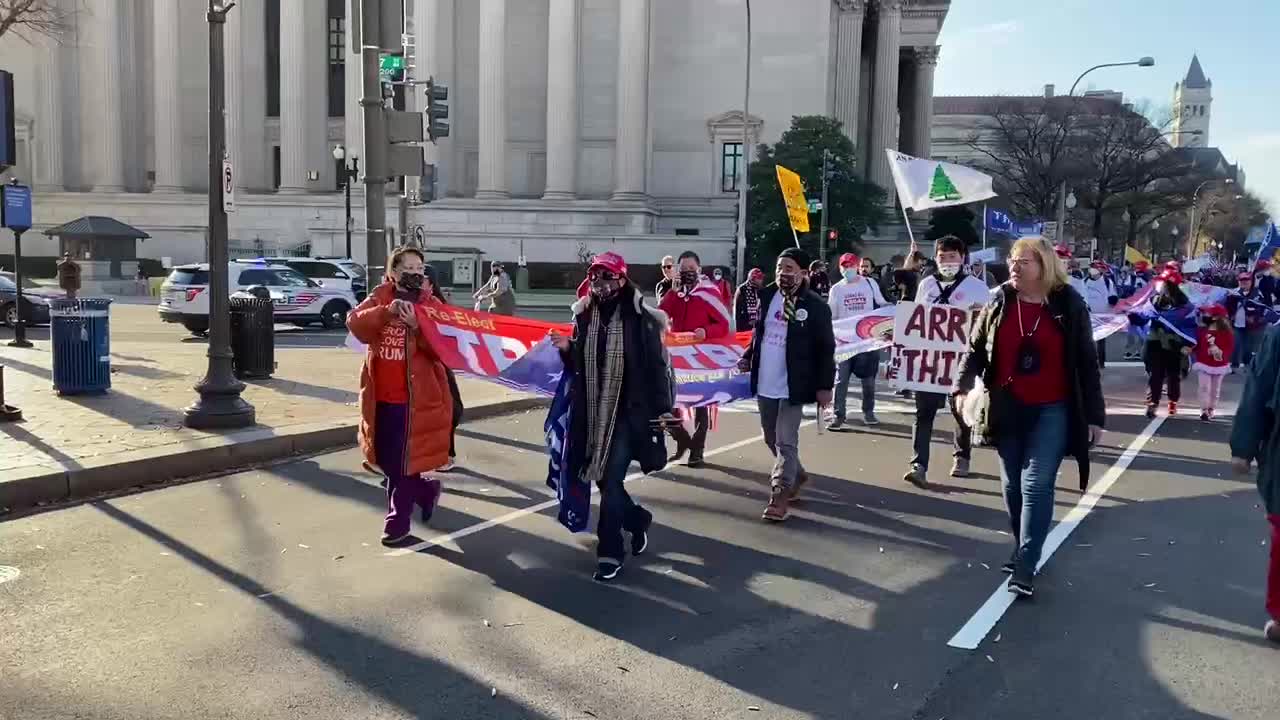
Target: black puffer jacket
[(648, 382), (1085, 403), (811, 346)]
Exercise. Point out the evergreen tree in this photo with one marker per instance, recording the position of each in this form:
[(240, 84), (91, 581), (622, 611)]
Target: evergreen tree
[(853, 204), (942, 188)]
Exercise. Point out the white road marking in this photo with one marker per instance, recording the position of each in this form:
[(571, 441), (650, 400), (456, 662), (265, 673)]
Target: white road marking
[(972, 633), (534, 509), (8, 573)]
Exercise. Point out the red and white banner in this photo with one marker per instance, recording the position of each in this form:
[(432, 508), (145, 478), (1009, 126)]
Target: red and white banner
[(930, 343)]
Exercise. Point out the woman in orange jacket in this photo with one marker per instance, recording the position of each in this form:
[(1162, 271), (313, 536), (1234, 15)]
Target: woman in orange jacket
[(406, 409)]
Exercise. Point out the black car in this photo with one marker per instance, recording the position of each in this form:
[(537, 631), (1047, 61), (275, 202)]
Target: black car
[(35, 302)]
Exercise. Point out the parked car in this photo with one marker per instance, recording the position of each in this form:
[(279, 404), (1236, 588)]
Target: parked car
[(329, 272), (184, 296), (35, 301)]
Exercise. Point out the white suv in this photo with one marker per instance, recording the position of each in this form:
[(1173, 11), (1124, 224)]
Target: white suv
[(184, 296), (330, 272)]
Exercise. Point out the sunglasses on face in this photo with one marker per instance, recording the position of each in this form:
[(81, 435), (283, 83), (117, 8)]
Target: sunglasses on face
[(605, 275)]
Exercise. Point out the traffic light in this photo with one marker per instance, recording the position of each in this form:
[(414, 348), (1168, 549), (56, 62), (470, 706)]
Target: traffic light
[(832, 235), (437, 110)]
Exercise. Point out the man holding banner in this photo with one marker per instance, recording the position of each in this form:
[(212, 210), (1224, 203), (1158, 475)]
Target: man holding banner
[(950, 286), (853, 295), (621, 396), (792, 364)]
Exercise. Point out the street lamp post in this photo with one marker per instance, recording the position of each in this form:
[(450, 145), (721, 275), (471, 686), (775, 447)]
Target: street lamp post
[(219, 405), (351, 169), (1195, 201), (1062, 189)]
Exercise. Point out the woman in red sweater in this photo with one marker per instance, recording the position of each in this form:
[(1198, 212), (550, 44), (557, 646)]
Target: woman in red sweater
[(1214, 343)]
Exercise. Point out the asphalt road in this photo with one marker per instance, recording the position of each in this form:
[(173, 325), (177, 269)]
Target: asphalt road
[(266, 594)]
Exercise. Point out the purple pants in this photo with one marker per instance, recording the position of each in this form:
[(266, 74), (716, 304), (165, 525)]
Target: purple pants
[(403, 491)]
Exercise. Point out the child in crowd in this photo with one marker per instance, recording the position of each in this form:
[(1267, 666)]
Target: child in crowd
[(1214, 343)]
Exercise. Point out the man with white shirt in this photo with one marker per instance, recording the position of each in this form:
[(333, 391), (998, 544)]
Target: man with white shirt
[(856, 293), (951, 285), (1100, 296)]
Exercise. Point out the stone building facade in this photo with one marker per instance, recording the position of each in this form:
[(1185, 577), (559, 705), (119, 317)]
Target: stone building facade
[(578, 125)]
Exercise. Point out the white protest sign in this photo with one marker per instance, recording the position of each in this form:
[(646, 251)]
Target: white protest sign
[(929, 347)]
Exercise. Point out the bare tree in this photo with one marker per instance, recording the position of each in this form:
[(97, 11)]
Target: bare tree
[(1226, 217), (30, 19), (1025, 145)]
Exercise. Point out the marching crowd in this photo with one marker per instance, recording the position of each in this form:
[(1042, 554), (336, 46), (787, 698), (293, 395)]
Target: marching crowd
[(1032, 377)]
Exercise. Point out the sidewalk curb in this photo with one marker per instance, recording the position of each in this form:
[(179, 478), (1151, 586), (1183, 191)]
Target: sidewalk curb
[(27, 488)]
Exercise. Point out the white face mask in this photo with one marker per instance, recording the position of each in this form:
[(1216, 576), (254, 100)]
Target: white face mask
[(1095, 273), (949, 270)]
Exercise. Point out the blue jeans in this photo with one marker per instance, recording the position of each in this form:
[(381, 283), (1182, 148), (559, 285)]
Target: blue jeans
[(1030, 453), (1242, 353), (618, 511), (868, 364)]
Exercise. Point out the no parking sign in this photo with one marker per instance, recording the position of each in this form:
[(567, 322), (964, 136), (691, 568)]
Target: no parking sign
[(228, 187)]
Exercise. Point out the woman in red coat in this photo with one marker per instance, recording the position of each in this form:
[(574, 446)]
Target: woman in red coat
[(406, 409), (1215, 342)]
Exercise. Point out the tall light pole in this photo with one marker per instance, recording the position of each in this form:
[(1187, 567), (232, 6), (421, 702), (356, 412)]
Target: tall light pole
[(219, 405), (1195, 201), (1062, 189), (351, 170), (746, 159)]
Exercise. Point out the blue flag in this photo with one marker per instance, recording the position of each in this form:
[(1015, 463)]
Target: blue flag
[(573, 494), (1270, 244)]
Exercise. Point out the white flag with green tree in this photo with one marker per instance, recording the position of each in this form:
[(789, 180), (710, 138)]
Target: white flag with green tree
[(926, 184)]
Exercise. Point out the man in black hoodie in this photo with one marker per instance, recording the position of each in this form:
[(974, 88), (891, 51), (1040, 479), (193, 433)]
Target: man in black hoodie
[(792, 364)]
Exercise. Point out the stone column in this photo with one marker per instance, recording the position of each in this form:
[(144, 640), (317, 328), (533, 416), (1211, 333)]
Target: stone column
[(926, 62), (108, 137), (849, 64), (633, 101), (562, 100), (884, 94), (301, 104), (493, 101), (166, 63), (48, 166), (246, 28)]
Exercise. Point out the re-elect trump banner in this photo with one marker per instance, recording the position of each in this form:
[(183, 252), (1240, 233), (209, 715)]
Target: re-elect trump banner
[(516, 352)]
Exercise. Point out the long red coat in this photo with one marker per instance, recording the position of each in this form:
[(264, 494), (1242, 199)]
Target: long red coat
[(430, 404)]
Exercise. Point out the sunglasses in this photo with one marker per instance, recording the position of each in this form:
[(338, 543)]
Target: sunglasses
[(604, 275), (667, 267)]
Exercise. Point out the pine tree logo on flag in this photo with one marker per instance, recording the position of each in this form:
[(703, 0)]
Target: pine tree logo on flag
[(942, 188)]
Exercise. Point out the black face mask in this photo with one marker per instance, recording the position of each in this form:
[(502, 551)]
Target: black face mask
[(605, 290), (412, 281), (788, 283), (688, 278)]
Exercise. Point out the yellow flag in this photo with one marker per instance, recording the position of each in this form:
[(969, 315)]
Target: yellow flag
[(1132, 255), (793, 196)]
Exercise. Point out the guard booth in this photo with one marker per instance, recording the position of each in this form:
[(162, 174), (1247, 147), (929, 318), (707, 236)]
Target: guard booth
[(106, 250), (458, 270)]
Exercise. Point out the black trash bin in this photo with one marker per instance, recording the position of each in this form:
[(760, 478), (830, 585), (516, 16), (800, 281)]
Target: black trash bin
[(253, 340)]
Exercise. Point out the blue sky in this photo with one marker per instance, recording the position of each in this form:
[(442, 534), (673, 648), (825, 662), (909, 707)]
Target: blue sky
[(1014, 47)]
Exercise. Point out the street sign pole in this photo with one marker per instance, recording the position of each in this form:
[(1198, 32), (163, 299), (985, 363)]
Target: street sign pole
[(219, 405), (15, 214), (822, 235), (375, 140)]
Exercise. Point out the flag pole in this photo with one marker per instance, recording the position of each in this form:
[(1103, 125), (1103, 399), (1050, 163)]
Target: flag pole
[(907, 220), (984, 226), (795, 236)]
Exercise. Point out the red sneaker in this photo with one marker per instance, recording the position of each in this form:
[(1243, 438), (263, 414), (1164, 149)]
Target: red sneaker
[(1173, 408)]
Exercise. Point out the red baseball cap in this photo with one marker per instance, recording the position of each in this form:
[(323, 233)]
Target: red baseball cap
[(1170, 275), (610, 261), (1245, 275), (755, 273), (849, 260), (1100, 264), (1264, 265), (1063, 251), (1214, 310)]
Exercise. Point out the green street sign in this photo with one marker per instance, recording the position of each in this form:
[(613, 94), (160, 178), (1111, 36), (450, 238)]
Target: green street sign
[(391, 62), (815, 206)]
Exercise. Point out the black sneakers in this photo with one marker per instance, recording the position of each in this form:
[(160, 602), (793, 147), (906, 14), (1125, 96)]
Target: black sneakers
[(1008, 567), (607, 570), (639, 542), (1022, 582)]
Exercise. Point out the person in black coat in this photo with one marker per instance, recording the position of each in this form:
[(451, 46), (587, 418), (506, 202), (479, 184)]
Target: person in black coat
[(792, 364), (1033, 347), (746, 301), (622, 396)]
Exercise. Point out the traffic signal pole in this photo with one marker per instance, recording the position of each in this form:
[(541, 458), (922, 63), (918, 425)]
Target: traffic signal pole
[(375, 143), (826, 179)]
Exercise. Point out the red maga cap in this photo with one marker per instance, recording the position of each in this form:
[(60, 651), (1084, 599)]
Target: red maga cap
[(849, 260), (610, 261), (755, 273), (1063, 251), (1214, 310)]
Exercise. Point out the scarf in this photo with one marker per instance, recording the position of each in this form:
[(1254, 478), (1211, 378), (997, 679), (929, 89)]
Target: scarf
[(603, 393), (788, 305)]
